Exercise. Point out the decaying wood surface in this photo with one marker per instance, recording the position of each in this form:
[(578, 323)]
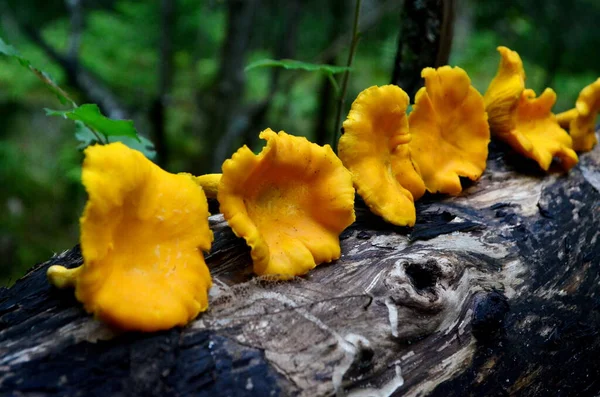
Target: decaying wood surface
[(495, 292)]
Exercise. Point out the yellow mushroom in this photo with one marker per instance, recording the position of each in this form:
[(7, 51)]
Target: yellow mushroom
[(208, 182), (535, 133), (525, 122), (143, 231), (290, 203), (504, 91), (374, 147), (581, 120), (449, 130)]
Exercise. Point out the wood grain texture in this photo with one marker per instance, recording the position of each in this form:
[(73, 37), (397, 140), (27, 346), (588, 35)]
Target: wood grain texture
[(495, 292)]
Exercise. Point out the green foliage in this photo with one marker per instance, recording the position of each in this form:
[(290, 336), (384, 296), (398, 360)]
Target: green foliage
[(86, 137), (90, 116), (92, 125)]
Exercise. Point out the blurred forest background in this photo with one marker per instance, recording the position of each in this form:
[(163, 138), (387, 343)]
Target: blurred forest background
[(176, 67)]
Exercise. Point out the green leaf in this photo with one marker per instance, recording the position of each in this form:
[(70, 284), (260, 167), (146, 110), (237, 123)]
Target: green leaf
[(292, 64), (11, 51), (86, 137), (91, 116), (144, 145)]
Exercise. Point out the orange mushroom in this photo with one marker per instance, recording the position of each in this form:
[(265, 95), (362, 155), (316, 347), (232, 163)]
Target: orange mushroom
[(290, 203), (449, 130), (209, 183), (143, 231), (504, 91), (581, 120), (374, 147), (525, 122), (535, 133)]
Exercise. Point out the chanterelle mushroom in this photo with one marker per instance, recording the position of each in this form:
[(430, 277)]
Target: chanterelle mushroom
[(374, 147), (449, 130), (143, 231), (504, 91), (581, 120), (290, 203), (536, 134), (523, 121)]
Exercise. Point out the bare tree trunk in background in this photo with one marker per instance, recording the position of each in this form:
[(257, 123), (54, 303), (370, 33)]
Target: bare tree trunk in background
[(425, 40), (323, 124), (165, 77), (230, 83), (557, 39), (286, 48)]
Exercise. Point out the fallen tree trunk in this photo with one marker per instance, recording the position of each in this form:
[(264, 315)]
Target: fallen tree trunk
[(495, 292)]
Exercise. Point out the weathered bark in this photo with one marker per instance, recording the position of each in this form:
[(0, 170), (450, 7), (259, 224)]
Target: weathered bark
[(494, 292)]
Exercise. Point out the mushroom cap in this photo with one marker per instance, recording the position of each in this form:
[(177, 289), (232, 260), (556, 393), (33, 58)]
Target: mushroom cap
[(535, 133), (583, 127), (449, 130), (504, 91), (290, 203), (143, 231), (374, 147)]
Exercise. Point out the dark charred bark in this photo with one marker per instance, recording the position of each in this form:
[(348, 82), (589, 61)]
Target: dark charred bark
[(425, 40), (494, 292)]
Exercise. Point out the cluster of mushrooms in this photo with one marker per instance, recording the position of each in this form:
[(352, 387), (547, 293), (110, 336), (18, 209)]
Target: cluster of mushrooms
[(144, 230)]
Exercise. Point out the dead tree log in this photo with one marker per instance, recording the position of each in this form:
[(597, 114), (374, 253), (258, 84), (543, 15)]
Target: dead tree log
[(495, 292)]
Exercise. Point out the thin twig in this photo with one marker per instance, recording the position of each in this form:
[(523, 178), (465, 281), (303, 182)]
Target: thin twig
[(342, 97)]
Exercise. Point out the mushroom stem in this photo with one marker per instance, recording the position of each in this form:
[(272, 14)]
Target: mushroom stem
[(209, 183), (61, 277), (565, 118)]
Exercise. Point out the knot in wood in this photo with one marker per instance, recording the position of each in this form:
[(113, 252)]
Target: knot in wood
[(419, 281)]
